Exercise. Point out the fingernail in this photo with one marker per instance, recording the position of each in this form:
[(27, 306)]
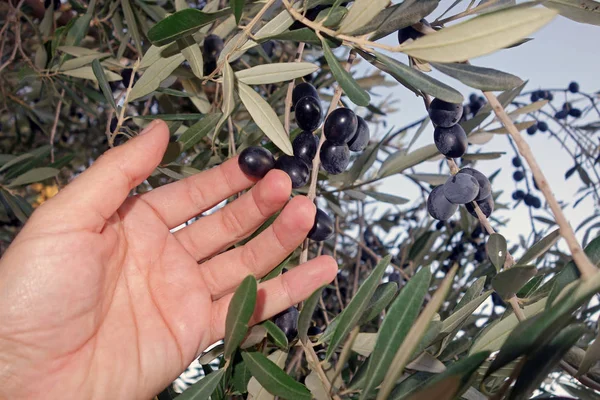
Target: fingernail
[(149, 127)]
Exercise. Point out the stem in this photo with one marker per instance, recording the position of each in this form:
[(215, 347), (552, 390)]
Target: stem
[(585, 266), (316, 364), (55, 124)]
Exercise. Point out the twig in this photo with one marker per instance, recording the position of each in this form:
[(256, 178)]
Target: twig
[(288, 96), (111, 139), (13, 18), (231, 137), (585, 266), (55, 124), (315, 364)]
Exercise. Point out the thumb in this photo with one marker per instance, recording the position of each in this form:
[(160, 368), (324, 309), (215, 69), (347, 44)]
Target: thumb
[(94, 196)]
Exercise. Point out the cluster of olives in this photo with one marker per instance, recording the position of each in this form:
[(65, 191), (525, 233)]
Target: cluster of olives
[(467, 186), (344, 132), (449, 137), (528, 198), (473, 106)]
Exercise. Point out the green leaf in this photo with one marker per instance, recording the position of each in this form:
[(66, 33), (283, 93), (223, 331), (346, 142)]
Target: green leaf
[(396, 17), (193, 54), (305, 35), (34, 175), (584, 11), (132, 25), (240, 376), (265, 118), (486, 79), (275, 72), (14, 205), (103, 83), (591, 357), (88, 73), (413, 338), (355, 93), (154, 75), (455, 320), (361, 13), (535, 332), (415, 79), (494, 335), (79, 62), (382, 297), (386, 198), (238, 8), (480, 35), (432, 179), (540, 248), (276, 334), (239, 312), (569, 273), (398, 321), (539, 364), (80, 27), (399, 162), (497, 250), (228, 98), (510, 281), (348, 318), (273, 378), (451, 383), (204, 388), (307, 312), (182, 23)]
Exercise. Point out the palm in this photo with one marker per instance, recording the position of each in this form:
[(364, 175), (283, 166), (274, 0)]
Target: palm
[(122, 310)]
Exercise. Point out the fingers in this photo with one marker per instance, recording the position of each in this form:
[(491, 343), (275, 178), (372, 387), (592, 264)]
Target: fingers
[(280, 293), (95, 195), (217, 231), (180, 201), (223, 273)]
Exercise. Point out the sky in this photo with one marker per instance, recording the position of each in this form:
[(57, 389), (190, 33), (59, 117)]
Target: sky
[(561, 52)]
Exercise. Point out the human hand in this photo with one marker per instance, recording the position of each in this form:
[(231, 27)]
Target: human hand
[(98, 299)]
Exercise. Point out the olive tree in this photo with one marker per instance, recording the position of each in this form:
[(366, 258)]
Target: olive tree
[(430, 300)]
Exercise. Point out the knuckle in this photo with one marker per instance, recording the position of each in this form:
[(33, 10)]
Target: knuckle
[(231, 222)]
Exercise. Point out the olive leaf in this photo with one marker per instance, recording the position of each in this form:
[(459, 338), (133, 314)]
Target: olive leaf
[(204, 388), (265, 117), (273, 378), (239, 312), (275, 72), (193, 54), (154, 75), (481, 78), (353, 312), (480, 35), (361, 13), (182, 23), (398, 321), (585, 11), (497, 250), (355, 93)]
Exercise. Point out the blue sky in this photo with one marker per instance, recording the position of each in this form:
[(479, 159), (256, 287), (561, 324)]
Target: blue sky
[(560, 52)]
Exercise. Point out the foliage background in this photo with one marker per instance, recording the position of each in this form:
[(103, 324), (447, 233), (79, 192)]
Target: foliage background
[(55, 122)]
